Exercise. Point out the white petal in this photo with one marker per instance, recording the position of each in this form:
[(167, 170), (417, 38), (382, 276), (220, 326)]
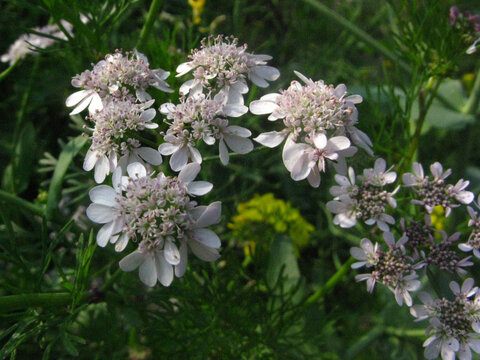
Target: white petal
[(257, 80), (101, 214), (261, 107), (314, 177), (95, 104), (239, 131), (131, 261), (235, 110), (104, 234), (121, 243), (82, 105), (136, 170), (239, 144), (103, 194), (184, 68), (301, 169), (189, 172), (167, 148), (90, 160), (270, 139), (223, 152), (203, 252), (150, 155), (164, 269), (148, 115), (148, 271), (179, 159), (267, 72), (199, 188), (182, 266), (102, 168), (210, 215), (207, 237), (76, 97), (171, 253)]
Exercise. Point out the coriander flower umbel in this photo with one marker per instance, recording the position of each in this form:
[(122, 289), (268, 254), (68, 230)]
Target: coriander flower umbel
[(367, 201), (159, 216), (433, 192), (200, 119), (113, 76), (473, 242), (112, 144), (453, 326), (221, 66), (311, 109), (27, 43), (392, 268)]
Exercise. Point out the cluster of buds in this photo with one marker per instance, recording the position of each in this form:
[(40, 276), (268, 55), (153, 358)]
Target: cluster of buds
[(473, 242), (159, 216), (319, 125), (368, 201)]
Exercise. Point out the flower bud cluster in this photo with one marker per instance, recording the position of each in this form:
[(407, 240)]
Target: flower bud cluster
[(158, 214), (319, 124), (454, 323), (368, 201)]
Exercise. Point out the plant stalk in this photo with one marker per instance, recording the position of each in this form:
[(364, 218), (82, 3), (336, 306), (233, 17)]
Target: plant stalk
[(147, 27), (471, 106), (15, 200)]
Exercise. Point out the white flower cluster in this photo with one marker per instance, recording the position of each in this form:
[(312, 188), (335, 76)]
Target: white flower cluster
[(117, 113), (454, 323), (157, 214), (433, 192), (473, 242), (27, 43), (367, 201), (319, 125), (391, 268), (220, 70)]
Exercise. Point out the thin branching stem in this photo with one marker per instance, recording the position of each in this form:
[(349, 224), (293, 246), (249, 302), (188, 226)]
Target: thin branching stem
[(24, 204)]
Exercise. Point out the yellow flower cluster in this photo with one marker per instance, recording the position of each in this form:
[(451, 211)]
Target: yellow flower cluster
[(197, 9), (262, 217)]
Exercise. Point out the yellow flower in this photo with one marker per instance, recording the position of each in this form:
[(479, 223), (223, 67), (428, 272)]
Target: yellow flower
[(197, 8), (438, 218), (259, 219)]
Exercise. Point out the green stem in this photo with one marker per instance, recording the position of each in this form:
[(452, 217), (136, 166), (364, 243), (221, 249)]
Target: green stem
[(15, 200), (147, 27), (362, 35), (424, 106), (9, 69), (416, 333), (330, 284), (472, 103), (46, 300)]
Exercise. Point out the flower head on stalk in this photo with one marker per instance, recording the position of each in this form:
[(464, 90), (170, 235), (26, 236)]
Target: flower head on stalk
[(221, 66), (419, 234), (436, 191), (158, 214), (200, 119), (367, 201), (113, 76), (28, 43), (112, 143), (454, 323), (392, 268)]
